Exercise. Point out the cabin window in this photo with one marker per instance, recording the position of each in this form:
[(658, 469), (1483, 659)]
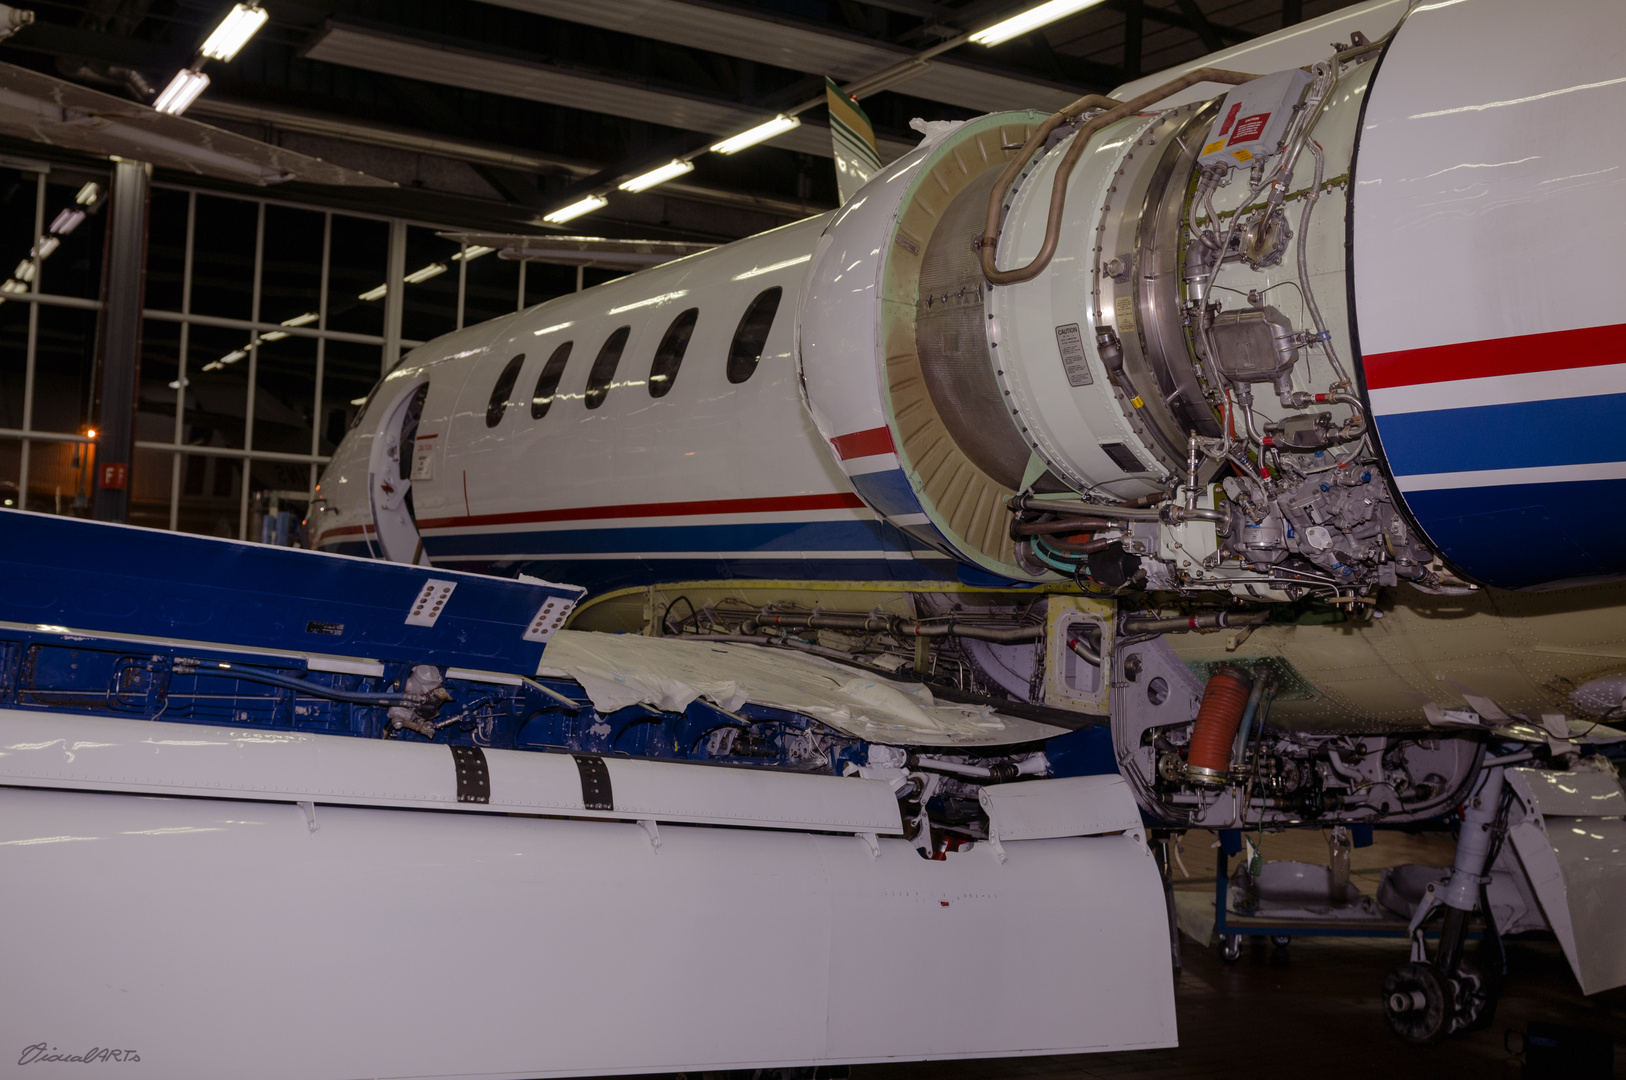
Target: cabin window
[(502, 391), (745, 352), (547, 384), (603, 372), (669, 357)]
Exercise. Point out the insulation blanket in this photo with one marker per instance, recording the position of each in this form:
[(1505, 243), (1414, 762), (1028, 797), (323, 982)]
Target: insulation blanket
[(618, 670)]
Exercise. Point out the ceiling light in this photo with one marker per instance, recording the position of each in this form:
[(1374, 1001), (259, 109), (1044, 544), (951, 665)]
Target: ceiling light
[(274, 335), (375, 293), (301, 320), (576, 209), (472, 252), (762, 132), (43, 249), (234, 356), (88, 193), (181, 92), (240, 24), (67, 221), (178, 383), (1031, 19), (13, 286), (661, 175), (420, 276), (358, 401), (24, 271)]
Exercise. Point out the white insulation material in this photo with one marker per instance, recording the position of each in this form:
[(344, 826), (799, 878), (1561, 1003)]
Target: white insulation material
[(618, 670)]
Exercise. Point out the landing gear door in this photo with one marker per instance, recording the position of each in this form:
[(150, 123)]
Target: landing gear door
[(389, 476), (1571, 839)]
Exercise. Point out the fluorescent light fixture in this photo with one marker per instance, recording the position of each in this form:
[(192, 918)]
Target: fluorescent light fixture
[(576, 209), (419, 276), (181, 92), (551, 329), (274, 335), (178, 383), (358, 401), (301, 320), (67, 221), (472, 252), (1031, 19), (12, 285), (233, 356), (43, 249), (240, 24), (661, 299), (762, 132), (88, 193), (757, 271), (375, 293), (670, 170), (24, 271)]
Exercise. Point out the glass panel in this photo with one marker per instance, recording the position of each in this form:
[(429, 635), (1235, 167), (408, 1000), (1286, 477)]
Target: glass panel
[(75, 267), (60, 477), (281, 492), (13, 361), (492, 288), (166, 249), (547, 384), (18, 193), (669, 357), (358, 265), (160, 370), (209, 499), (223, 259), (63, 370), (350, 373), (291, 274), (544, 281), (598, 380), (149, 487), (285, 402), (430, 309), (746, 350), (503, 390), (11, 463), (217, 386)]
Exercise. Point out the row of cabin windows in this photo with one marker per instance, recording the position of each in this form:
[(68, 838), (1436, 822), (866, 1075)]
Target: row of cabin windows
[(744, 353)]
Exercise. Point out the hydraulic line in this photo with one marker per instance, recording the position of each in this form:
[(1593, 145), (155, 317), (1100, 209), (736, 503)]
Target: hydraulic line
[(1217, 620), (192, 665), (899, 627), (1115, 111)]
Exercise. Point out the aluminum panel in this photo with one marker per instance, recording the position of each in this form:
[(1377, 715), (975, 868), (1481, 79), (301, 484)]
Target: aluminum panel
[(1070, 806)]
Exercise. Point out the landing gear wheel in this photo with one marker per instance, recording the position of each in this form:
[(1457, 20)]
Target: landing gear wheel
[(1417, 1002), (1230, 948), (1475, 997)]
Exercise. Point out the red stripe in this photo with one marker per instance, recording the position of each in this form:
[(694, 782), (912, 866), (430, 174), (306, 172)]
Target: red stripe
[(1592, 346), (857, 444), (424, 438), (346, 530), (781, 504)]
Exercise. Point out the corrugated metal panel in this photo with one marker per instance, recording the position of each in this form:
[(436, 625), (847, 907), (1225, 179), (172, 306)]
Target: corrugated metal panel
[(373, 50), (785, 44)]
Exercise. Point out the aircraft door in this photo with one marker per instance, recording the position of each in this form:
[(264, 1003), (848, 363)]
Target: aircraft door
[(389, 477)]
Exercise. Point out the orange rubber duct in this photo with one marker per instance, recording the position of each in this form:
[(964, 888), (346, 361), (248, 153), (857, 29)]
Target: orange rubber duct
[(1224, 699)]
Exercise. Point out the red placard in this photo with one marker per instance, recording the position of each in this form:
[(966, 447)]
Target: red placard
[(115, 475), (1249, 128)]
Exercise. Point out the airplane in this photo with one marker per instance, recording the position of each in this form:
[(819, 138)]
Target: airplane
[(1228, 452)]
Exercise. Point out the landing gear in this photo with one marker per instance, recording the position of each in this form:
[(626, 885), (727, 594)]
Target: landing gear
[(1417, 1003)]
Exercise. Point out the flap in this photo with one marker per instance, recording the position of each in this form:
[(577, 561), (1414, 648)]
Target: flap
[(1071, 806)]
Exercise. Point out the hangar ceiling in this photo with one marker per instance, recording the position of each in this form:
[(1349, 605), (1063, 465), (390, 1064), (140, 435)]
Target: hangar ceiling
[(491, 113)]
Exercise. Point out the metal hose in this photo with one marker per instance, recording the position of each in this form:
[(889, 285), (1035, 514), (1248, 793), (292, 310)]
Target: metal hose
[(1115, 111)]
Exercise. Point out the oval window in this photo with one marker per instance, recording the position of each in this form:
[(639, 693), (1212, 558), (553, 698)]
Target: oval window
[(547, 384), (500, 393), (745, 352), (603, 372), (669, 357)]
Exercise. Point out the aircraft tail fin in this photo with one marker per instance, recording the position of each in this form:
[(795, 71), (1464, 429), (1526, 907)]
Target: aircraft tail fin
[(853, 140)]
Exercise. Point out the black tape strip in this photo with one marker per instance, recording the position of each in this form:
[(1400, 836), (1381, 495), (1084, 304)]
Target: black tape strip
[(473, 778), (596, 793)]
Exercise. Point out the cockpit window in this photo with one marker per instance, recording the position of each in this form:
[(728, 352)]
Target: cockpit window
[(603, 372), (502, 390), (745, 352), (669, 357), (547, 384)]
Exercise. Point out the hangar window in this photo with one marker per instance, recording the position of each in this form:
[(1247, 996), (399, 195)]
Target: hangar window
[(746, 350), (663, 372), (547, 384), (500, 392), (598, 380)]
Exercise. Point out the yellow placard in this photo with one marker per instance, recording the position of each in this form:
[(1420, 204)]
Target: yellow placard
[(1213, 146), (1241, 155)]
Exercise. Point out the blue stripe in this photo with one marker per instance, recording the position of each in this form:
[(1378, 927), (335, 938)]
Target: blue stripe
[(599, 576), (633, 540), (1528, 434), (1519, 535), (888, 492)]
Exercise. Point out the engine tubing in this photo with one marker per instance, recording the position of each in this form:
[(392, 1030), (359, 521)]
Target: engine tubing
[(1215, 729)]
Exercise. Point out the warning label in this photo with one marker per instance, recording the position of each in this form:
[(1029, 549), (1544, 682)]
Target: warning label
[(1071, 342), (1230, 117), (1249, 128)]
